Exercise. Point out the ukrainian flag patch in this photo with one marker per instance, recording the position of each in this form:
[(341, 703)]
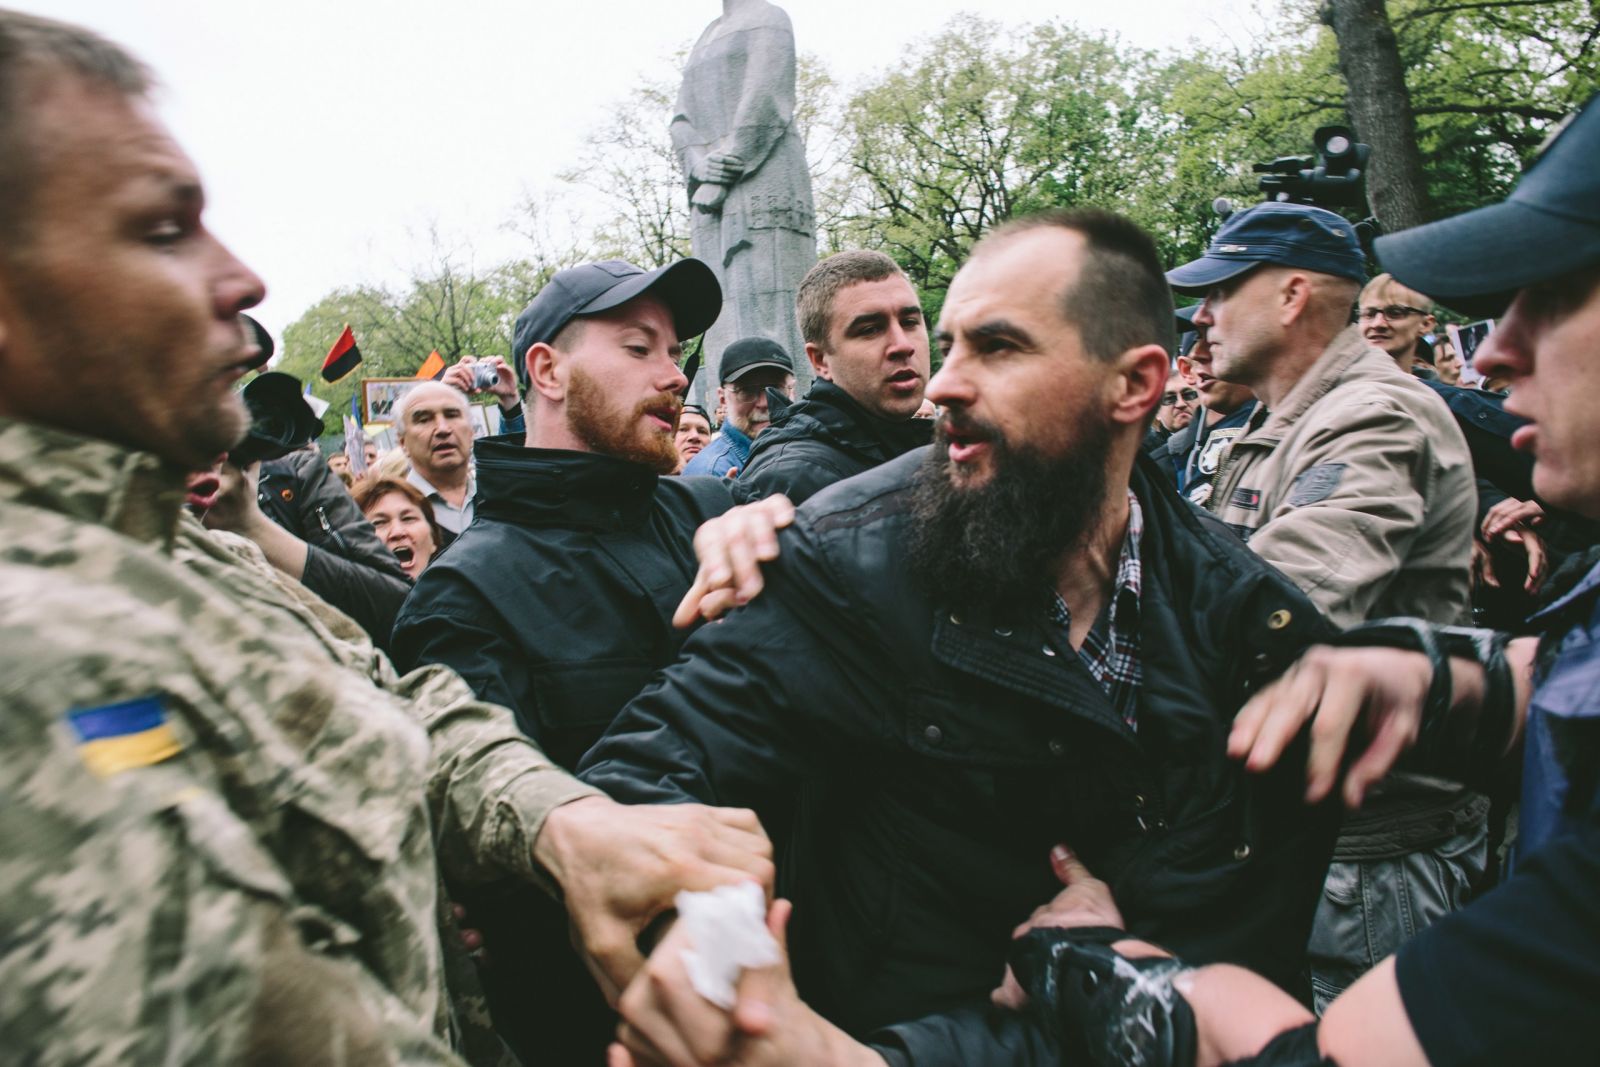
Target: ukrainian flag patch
[(120, 737)]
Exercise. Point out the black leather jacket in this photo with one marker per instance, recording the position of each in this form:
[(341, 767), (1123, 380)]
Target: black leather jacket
[(346, 563), (938, 757), (825, 438)]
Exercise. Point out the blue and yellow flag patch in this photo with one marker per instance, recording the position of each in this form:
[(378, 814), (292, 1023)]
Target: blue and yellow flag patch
[(119, 737)]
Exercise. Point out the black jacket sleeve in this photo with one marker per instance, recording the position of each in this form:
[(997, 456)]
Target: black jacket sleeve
[(976, 1036), (791, 469), (448, 620), (732, 722), (346, 564)]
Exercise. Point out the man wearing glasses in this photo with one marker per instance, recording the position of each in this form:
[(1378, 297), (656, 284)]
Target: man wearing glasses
[(1177, 404), (1395, 319), (1175, 415), (750, 367)]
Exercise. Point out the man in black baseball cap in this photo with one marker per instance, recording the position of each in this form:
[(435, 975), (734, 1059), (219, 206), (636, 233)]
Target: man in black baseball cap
[(750, 367), (687, 287), (556, 601)]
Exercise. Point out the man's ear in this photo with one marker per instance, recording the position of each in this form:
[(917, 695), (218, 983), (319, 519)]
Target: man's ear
[(1295, 294), (819, 361), (1141, 378), (547, 372)]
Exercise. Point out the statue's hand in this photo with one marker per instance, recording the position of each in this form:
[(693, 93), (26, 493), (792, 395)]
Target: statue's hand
[(720, 168), (708, 197)]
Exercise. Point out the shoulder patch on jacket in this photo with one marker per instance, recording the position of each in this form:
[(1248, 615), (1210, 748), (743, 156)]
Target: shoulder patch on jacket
[(1315, 484), (120, 737), (1249, 499)]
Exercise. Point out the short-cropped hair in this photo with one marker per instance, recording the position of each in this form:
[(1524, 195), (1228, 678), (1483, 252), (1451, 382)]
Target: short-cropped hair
[(32, 48), (1121, 299), (403, 406), (813, 304)]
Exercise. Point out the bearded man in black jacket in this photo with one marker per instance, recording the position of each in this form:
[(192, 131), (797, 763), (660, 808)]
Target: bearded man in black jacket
[(557, 601), (868, 345), (974, 653)]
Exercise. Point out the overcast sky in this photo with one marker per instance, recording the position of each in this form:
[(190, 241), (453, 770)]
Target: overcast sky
[(331, 132)]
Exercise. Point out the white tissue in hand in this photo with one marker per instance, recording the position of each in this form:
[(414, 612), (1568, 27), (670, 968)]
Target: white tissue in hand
[(727, 930)]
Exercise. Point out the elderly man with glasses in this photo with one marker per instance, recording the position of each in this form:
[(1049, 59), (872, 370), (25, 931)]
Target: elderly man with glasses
[(750, 367)]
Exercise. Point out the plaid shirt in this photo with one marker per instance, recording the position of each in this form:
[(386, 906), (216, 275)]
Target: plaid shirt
[(1111, 648)]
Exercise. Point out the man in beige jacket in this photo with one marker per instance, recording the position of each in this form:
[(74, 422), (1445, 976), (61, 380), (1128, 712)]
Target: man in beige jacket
[(1354, 480)]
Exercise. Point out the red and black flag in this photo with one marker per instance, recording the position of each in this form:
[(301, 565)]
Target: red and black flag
[(432, 368), (342, 357)]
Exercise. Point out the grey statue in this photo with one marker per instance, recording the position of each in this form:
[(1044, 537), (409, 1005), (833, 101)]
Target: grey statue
[(749, 189)]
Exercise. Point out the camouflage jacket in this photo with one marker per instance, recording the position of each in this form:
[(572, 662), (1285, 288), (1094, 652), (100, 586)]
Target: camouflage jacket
[(222, 814)]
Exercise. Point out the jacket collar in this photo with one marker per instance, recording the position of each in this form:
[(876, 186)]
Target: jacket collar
[(1332, 368), (136, 494), (829, 412), (557, 488)]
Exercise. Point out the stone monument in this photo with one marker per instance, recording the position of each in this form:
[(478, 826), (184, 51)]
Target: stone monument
[(749, 189)]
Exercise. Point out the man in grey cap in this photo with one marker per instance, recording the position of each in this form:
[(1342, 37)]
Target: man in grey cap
[(750, 367), (557, 601), (1353, 479)]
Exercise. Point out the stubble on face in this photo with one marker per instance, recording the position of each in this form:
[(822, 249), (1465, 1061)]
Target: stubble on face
[(603, 427), (116, 287)]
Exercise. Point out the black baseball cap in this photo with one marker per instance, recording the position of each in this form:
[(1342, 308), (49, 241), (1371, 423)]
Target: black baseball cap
[(750, 353), (1547, 227), (1290, 235), (688, 287)]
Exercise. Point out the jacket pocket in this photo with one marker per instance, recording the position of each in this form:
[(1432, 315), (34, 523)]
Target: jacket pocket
[(587, 693)]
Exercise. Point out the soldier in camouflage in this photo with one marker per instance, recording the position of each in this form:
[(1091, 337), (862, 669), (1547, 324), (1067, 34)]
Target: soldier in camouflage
[(223, 816)]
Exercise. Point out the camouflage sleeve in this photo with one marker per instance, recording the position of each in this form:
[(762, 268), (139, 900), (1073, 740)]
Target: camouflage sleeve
[(489, 786), (141, 918)]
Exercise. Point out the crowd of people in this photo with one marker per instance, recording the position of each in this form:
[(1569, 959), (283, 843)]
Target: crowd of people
[(1146, 686)]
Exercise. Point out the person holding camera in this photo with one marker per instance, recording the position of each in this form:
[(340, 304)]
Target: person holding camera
[(479, 375)]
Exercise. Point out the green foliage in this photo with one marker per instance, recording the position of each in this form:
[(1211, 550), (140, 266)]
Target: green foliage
[(982, 122), (447, 305), (986, 123)]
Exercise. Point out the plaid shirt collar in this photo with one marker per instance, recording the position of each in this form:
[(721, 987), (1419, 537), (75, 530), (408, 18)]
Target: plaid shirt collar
[(1111, 648)]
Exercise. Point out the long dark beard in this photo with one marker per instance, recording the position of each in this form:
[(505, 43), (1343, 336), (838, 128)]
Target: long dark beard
[(993, 548)]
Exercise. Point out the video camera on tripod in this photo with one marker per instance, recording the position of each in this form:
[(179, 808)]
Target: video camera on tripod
[(1334, 177)]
